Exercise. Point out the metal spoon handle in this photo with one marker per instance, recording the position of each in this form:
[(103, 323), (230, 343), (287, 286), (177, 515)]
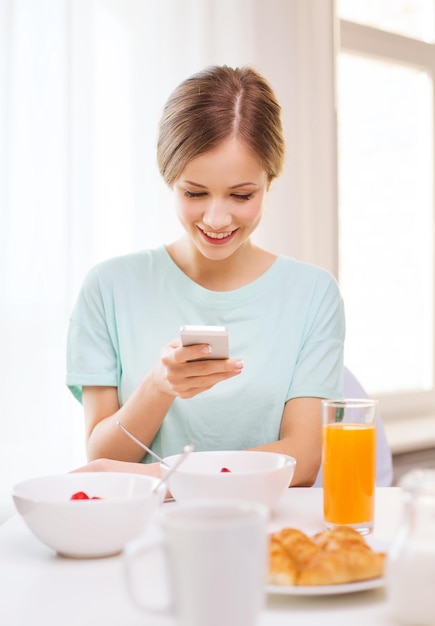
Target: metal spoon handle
[(186, 451), (139, 443)]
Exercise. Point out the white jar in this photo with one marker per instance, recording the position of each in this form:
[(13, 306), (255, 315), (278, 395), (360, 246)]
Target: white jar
[(410, 572)]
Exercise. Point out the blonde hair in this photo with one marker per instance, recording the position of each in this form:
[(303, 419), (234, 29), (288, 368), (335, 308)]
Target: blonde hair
[(215, 104)]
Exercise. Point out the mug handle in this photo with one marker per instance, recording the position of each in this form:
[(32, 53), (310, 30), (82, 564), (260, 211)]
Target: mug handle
[(149, 554)]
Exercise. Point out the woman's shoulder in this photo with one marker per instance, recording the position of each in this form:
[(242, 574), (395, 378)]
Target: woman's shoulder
[(122, 274), (301, 270), (127, 264)]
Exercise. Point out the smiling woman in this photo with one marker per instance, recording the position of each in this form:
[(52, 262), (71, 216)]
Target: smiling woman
[(267, 395)]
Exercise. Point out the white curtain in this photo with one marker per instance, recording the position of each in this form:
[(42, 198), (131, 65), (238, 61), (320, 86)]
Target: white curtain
[(35, 251), (82, 83)]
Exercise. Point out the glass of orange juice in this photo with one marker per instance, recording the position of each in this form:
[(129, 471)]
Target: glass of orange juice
[(349, 463)]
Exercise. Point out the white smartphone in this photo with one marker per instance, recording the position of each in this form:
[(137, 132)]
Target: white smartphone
[(215, 336)]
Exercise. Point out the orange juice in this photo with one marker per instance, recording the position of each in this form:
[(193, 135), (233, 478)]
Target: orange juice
[(349, 469)]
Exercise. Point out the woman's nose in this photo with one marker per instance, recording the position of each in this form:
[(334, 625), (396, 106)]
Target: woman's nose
[(216, 216)]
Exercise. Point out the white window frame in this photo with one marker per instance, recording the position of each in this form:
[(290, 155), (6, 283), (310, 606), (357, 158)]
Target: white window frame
[(409, 417)]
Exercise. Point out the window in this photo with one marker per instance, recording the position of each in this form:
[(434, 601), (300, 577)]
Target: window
[(385, 83), (412, 18)]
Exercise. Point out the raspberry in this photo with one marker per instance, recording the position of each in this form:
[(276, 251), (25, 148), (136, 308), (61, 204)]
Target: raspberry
[(80, 495)]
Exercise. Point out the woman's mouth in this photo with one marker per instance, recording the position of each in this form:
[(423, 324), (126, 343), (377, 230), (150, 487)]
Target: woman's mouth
[(218, 238)]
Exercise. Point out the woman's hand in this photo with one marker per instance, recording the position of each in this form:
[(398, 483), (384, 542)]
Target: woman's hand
[(184, 372), (111, 465)]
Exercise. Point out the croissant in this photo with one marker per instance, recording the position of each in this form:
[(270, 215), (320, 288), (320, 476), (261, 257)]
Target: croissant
[(337, 556), (336, 537), (282, 568), (297, 545)]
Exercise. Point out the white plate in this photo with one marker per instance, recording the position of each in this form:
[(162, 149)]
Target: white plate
[(325, 590)]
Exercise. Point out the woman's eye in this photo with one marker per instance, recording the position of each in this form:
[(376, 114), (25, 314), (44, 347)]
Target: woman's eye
[(192, 194), (243, 196), (201, 194)]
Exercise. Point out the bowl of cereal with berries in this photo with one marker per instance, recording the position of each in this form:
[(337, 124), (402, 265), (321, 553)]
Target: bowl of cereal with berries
[(250, 475), (88, 514)]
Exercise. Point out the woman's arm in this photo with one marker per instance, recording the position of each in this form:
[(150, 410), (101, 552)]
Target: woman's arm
[(301, 437), (111, 465), (142, 414), (175, 375)]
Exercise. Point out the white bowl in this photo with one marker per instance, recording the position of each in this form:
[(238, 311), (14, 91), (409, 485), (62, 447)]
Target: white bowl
[(88, 528), (254, 476)]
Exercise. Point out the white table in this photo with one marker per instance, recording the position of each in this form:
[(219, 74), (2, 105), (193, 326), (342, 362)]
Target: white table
[(38, 587)]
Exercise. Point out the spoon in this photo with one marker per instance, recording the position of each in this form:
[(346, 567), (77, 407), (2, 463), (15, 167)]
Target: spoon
[(142, 445), (186, 451)]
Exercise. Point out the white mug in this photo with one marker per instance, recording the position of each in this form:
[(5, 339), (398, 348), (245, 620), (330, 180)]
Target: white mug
[(214, 557)]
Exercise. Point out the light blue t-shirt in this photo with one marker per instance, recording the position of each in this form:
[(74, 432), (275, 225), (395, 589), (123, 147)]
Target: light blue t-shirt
[(287, 326)]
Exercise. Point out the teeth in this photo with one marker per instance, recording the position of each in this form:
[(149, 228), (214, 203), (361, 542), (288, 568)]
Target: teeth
[(217, 235)]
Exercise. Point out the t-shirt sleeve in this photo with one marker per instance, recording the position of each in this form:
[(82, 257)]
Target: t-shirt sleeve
[(319, 367), (92, 357)]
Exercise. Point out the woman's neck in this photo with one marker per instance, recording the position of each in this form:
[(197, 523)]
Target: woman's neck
[(241, 268)]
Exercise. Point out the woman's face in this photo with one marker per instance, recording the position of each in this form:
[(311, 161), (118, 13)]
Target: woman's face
[(219, 198)]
